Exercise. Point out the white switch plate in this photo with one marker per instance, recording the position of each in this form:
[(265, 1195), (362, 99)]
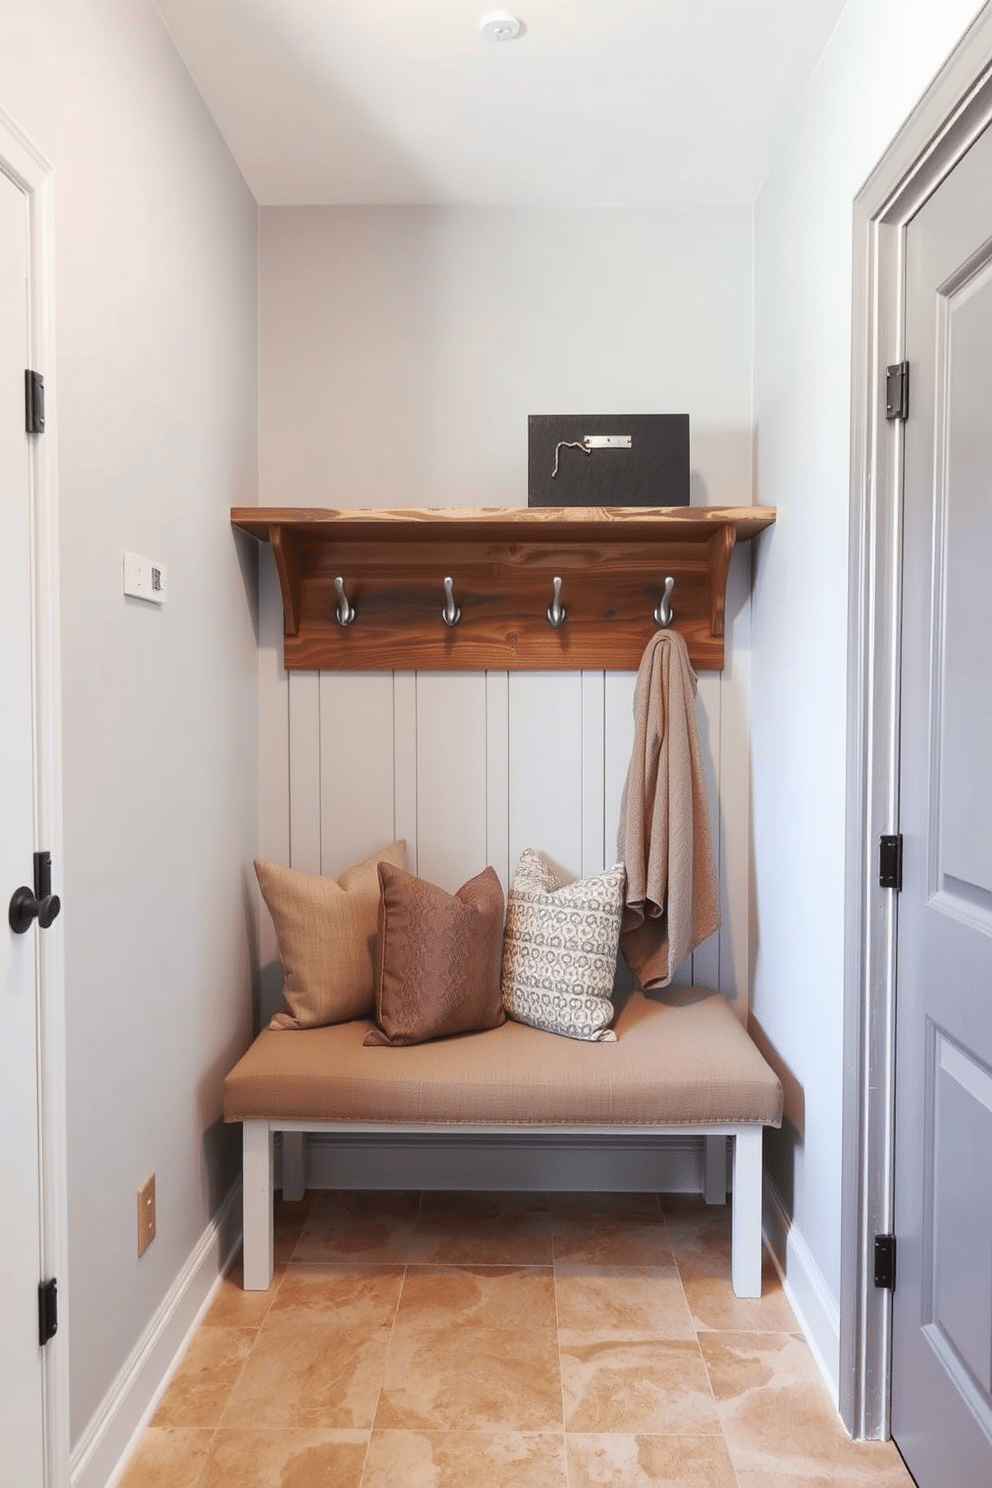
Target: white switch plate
[(144, 579)]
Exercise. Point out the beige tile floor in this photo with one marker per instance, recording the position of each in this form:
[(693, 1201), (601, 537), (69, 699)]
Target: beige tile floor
[(502, 1340)]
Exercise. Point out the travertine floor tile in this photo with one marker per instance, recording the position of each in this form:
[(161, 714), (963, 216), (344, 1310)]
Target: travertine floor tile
[(482, 1201), (880, 1467), (779, 1422), (288, 1223), (610, 1239), (358, 1226), (465, 1459), (306, 1371), (614, 1461), (233, 1307), (466, 1340), (479, 1296), (699, 1234), (715, 1307), (202, 1385), (617, 1205), (601, 1302), (366, 1203), (168, 1457), (483, 1379), (349, 1295), (653, 1387), (285, 1459), (511, 1237)]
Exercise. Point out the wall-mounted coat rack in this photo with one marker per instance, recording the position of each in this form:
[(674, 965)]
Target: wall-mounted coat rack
[(500, 588)]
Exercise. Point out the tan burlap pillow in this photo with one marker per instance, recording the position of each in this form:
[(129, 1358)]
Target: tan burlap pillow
[(438, 959), (326, 929)]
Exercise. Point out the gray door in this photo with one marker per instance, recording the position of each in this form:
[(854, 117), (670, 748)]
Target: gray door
[(942, 1307)]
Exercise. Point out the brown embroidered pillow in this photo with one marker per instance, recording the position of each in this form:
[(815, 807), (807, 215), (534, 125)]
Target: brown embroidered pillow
[(326, 929), (438, 958)]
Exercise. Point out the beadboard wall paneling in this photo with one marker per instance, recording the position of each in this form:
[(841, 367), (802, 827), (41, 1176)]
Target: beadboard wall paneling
[(498, 773), (358, 744), (405, 764), (452, 793), (738, 934), (305, 775), (596, 849), (471, 768), (273, 766), (546, 745)]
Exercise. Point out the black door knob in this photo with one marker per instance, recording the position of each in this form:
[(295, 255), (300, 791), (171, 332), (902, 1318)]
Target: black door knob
[(25, 907)]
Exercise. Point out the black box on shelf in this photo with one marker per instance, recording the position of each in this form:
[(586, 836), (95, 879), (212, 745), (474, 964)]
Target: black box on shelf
[(639, 459)]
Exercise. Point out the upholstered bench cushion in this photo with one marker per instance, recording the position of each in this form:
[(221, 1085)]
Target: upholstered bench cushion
[(681, 1059)]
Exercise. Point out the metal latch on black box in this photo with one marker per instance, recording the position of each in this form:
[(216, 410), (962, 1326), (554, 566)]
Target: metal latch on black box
[(608, 459)]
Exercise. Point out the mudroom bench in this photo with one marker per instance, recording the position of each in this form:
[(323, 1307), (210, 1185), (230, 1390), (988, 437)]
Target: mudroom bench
[(681, 1062)]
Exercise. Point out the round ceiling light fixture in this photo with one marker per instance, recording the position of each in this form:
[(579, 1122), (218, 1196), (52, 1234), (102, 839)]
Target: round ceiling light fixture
[(500, 25)]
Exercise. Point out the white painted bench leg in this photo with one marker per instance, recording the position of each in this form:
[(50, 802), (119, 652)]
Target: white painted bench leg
[(715, 1182), (256, 1179), (294, 1180), (746, 1233)]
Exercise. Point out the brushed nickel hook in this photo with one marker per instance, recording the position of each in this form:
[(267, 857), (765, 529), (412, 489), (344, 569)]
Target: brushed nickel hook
[(451, 614), (346, 611), (556, 610), (664, 614)]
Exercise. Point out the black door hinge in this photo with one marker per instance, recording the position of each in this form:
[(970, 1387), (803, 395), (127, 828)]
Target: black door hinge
[(48, 1311), (885, 1262), (34, 402), (890, 862), (897, 391)]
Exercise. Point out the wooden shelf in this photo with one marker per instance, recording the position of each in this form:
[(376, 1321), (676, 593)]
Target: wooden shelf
[(612, 562)]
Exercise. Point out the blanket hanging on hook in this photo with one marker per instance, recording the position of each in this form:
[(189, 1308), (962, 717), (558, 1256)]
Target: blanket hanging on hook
[(672, 901)]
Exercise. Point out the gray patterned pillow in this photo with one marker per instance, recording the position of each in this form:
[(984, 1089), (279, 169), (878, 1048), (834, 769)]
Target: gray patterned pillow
[(560, 949)]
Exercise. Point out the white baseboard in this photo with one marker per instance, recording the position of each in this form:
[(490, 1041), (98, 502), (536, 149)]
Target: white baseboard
[(805, 1286), (103, 1450)]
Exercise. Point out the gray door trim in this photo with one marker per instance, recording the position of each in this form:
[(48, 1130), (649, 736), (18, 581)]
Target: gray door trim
[(950, 116)]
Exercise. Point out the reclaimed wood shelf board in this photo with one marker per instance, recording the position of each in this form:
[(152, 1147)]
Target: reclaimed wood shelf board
[(502, 562)]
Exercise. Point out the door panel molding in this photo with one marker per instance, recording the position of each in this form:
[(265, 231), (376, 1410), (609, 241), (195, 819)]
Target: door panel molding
[(960, 844), (953, 1324), (28, 168), (950, 117)]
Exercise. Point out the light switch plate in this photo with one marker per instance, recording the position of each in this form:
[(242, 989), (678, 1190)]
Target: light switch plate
[(144, 578)]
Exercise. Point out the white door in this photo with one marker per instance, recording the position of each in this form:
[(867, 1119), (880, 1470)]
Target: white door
[(21, 1386), (942, 1305)]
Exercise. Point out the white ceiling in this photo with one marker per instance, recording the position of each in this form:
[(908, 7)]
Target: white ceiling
[(641, 102)]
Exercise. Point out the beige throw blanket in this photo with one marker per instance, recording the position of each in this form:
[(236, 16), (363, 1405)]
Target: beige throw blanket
[(664, 837)]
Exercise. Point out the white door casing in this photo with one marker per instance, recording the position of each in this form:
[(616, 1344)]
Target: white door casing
[(942, 1307), (34, 1397), (21, 1408)]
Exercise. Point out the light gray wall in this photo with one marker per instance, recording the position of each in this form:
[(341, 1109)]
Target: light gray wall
[(403, 348), (401, 352), (155, 404), (879, 62)]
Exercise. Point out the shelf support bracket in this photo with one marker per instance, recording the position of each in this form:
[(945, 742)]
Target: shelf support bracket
[(286, 548), (718, 551)]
